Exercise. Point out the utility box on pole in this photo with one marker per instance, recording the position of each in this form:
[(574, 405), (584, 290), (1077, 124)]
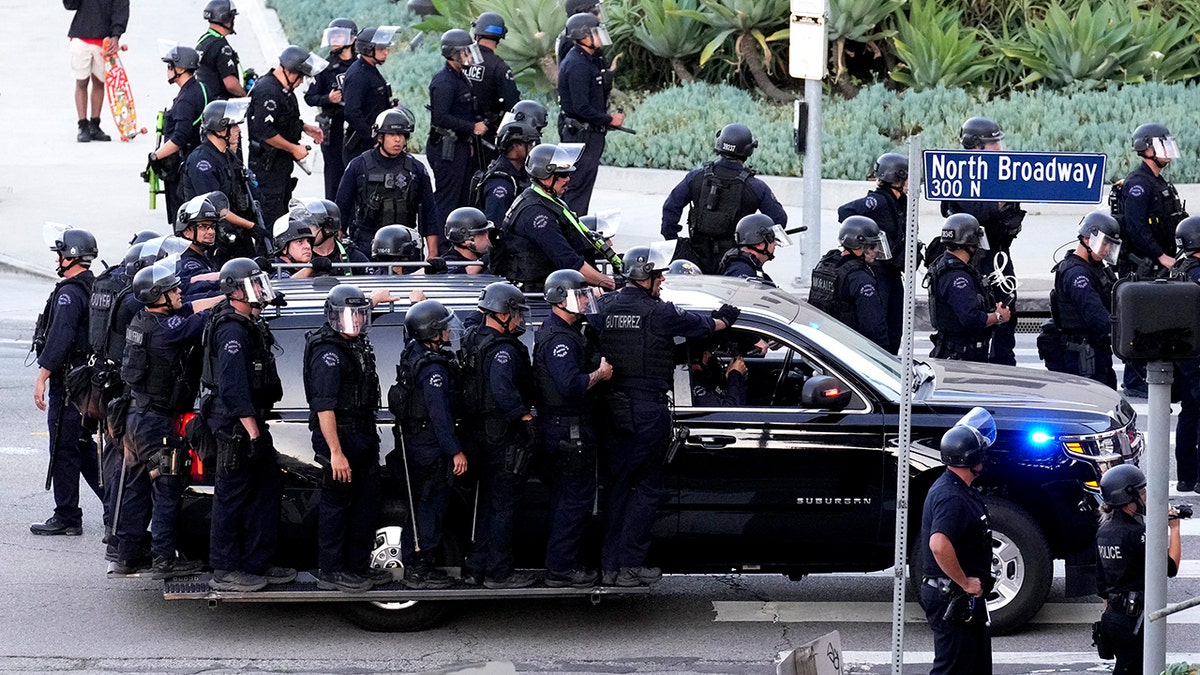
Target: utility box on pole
[(809, 55)]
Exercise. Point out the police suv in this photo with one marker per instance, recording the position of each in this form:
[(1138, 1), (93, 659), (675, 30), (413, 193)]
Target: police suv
[(799, 480)]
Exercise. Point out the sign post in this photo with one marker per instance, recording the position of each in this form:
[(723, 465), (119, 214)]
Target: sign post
[(809, 60)]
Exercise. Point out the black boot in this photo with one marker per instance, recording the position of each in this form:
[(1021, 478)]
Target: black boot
[(85, 132), (97, 135)]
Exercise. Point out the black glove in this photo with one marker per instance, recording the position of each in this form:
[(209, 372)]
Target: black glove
[(265, 264), (262, 446), (727, 314), (437, 265), (321, 265), (278, 301)]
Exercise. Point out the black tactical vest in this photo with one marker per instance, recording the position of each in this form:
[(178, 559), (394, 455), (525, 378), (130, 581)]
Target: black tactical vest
[(828, 291), (156, 383), (107, 292), (480, 179), (586, 357), (1065, 314), (478, 346), (938, 309), (521, 260), (737, 254), (716, 204), (358, 394), (406, 398), (385, 191), (627, 341), (265, 387), (41, 329)]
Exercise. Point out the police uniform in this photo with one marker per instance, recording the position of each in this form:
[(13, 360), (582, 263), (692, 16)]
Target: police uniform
[(636, 335), (181, 125), (957, 511), (1079, 305), (1001, 222), (499, 399), (1148, 212), (340, 376), (428, 424), (584, 84), (455, 255), (740, 264), (217, 61), (540, 235), (241, 381), (563, 361), (499, 187), (61, 343), (1121, 580), (958, 303), (1187, 375), (156, 371), (853, 295), (194, 263), (718, 195), (365, 94), (377, 191), (451, 144), (711, 388), (273, 111), (495, 89), (343, 253), (208, 169), (890, 213), (333, 146)]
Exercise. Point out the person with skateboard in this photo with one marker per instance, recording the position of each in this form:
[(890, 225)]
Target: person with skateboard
[(95, 21), (181, 128), (219, 64)]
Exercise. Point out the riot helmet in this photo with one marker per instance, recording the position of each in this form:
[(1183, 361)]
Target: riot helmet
[(1122, 485), (1155, 137), (143, 236), (963, 229), (398, 120), (585, 25), (339, 35), (644, 262), (859, 232), (182, 57), (347, 310), (73, 244), (548, 160), (964, 445), (1187, 234), (220, 116), (463, 224), (735, 141), (978, 132), (684, 267), (515, 132), (325, 213), (529, 111), (460, 47), (489, 25), (152, 283), (298, 60), (220, 12), (569, 290), (428, 320), (396, 243), (296, 224), (758, 228), (1101, 234), (133, 260), (198, 209), (501, 297), (891, 168), (574, 7), (243, 274)]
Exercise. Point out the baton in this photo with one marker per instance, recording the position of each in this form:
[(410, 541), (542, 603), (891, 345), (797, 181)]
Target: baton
[(412, 509)]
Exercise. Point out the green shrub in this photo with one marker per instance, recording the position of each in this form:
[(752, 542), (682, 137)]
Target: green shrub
[(936, 49), (304, 20)]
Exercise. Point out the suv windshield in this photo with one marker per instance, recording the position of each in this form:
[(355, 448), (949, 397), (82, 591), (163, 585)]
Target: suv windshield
[(865, 358)]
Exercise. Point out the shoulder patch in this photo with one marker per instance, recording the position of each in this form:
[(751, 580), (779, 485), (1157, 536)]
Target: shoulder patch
[(502, 356), (500, 192), (1136, 190), (64, 298), (174, 322), (871, 202), (561, 350), (330, 358), (227, 50), (699, 391), (204, 165), (233, 347), (540, 221), (436, 380), (270, 105), (961, 283), (867, 291), (1081, 281)]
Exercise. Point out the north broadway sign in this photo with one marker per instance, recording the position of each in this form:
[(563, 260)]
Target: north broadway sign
[(994, 176)]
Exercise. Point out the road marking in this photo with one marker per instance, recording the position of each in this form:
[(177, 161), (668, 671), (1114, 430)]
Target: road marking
[(39, 433), (12, 450), (1004, 658), (881, 612)]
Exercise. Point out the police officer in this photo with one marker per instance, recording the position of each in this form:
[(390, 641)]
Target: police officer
[(275, 128), (956, 551), (637, 332), (1187, 373), (714, 386), (241, 385), (506, 177), (155, 368), (388, 185), (541, 233), (887, 206), (562, 44), (756, 237), (567, 367), (365, 92), (1148, 208), (584, 84), (529, 111), (1078, 341), (428, 451), (60, 342), (197, 222), (214, 166), (326, 93), (845, 285), (219, 69), (959, 302), (718, 195), (468, 232), (453, 122), (499, 393), (1001, 222), (396, 244), (327, 238), (492, 80), (1121, 563), (181, 125), (342, 388), (293, 244)]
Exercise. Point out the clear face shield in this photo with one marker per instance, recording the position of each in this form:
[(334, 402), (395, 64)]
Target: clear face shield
[(565, 156), (882, 250), (1104, 247), (980, 421), (162, 248), (781, 238), (1165, 147), (608, 223), (166, 48), (470, 55), (258, 290), (313, 65), (600, 37), (354, 319), (336, 38), (983, 240), (235, 110), (451, 329), (384, 37), (582, 300), (661, 253), (52, 234)]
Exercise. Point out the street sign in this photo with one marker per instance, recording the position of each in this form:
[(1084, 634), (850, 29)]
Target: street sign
[(994, 176)]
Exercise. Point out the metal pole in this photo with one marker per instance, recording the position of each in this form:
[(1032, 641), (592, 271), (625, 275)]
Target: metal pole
[(1159, 376), (906, 386), (810, 243)]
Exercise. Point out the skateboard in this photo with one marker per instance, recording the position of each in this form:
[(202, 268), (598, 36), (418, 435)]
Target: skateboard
[(120, 96)]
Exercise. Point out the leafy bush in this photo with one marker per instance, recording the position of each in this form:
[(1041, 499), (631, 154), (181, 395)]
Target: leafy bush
[(858, 21), (936, 49), (304, 20)]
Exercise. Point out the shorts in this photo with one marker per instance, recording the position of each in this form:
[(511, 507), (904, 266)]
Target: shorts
[(86, 59)]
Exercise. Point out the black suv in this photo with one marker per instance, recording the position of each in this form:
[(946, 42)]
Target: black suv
[(784, 485)]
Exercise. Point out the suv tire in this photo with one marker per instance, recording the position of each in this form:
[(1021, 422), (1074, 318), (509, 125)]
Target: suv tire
[(401, 617), (1021, 556)]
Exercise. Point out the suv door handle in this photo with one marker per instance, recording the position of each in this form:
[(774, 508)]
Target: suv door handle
[(711, 442)]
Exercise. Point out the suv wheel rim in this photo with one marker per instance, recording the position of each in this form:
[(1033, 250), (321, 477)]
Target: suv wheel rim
[(386, 555), (1008, 565)]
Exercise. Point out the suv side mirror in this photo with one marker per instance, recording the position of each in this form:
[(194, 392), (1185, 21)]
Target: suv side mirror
[(823, 391)]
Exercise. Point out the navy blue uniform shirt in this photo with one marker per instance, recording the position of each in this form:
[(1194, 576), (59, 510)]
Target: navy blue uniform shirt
[(956, 510), (958, 290), (273, 111), (192, 264), (888, 212), (711, 389), (67, 336), (333, 77), (217, 61), (503, 369), (564, 364), (182, 122), (1140, 237), (494, 87), (539, 225), (499, 192), (176, 332), (451, 103), (233, 342), (863, 290), (348, 195), (365, 94), (761, 199), (583, 88), (434, 381), (1080, 291)]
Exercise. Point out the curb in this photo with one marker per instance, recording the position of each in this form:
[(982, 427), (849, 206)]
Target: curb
[(11, 265)]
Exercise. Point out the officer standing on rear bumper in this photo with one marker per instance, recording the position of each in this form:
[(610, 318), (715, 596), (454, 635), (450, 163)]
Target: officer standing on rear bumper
[(1187, 373), (468, 232), (241, 385), (756, 237), (1121, 563), (637, 332), (959, 304), (567, 366), (365, 91), (506, 177), (845, 284), (956, 552)]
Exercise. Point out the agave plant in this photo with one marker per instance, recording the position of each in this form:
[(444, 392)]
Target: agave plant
[(1170, 47), (858, 21), (1092, 45), (936, 49), (450, 14), (667, 31), (751, 25)]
